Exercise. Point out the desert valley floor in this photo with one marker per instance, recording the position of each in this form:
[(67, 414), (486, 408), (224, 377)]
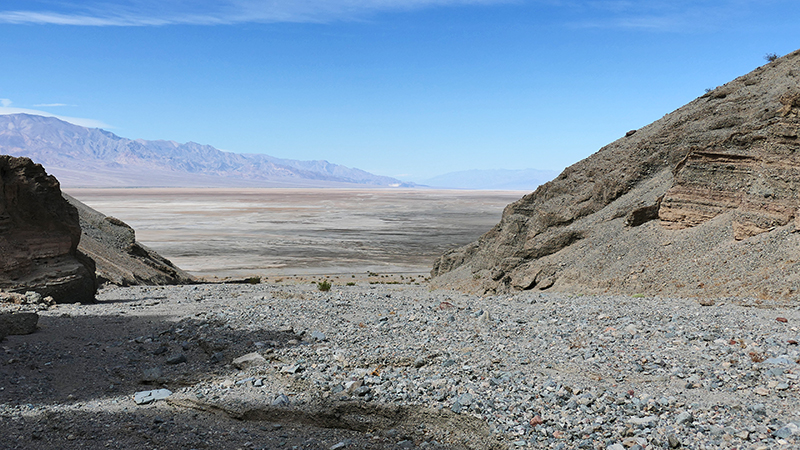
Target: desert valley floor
[(287, 232)]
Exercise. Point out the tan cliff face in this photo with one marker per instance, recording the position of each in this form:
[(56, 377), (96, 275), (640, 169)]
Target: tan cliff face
[(39, 236), (701, 202)]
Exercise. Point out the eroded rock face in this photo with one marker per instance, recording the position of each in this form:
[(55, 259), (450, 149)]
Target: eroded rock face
[(701, 202), (39, 236), (119, 258)]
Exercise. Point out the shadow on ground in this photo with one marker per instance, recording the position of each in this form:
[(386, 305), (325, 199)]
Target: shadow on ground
[(69, 386), (162, 426), (80, 358)]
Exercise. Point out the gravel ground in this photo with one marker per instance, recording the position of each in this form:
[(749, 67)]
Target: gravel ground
[(402, 366)]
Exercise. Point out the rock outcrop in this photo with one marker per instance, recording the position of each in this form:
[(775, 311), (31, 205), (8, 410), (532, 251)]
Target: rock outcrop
[(703, 202), (119, 258), (39, 236), (12, 323)]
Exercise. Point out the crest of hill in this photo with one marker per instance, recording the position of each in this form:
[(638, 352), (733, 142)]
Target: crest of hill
[(703, 202), (91, 157)]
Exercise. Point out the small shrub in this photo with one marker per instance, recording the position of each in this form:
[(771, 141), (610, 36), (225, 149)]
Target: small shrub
[(351, 283), (756, 357), (324, 286), (638, 295), (252, 280), (771, 57)]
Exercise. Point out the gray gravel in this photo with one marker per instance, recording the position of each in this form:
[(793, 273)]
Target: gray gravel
[(514, 371)]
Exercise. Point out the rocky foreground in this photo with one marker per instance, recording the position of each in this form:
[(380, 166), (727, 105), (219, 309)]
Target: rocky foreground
[(401, 366)]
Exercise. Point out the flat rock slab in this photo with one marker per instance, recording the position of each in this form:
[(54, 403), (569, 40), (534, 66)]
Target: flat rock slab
[(18, 323), (145, 397)]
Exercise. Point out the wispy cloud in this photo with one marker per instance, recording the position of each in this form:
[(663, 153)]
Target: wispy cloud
[(6, 109), (50, 105), (660, 15), (208, 12)]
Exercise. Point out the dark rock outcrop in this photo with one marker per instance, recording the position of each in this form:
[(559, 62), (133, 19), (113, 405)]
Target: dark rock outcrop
[(39, 236), (119, 258), (703, 202)]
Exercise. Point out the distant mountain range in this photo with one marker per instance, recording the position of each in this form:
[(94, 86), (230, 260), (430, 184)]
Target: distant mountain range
[(499, 179), (91, 157)]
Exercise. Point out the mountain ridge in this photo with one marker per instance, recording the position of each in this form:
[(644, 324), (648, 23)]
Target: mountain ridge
[(93, 157)]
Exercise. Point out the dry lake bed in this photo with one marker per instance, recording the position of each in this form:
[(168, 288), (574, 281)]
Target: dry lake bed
[(302, 232)]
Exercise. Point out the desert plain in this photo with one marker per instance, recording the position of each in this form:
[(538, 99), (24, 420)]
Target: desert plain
[(218, 233)]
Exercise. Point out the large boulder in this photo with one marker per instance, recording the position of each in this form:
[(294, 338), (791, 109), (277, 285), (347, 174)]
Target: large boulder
[(39, 236), (703, 202), (17, 323), (119, 258)]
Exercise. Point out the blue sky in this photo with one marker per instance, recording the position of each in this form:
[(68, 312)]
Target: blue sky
[(409, 89)]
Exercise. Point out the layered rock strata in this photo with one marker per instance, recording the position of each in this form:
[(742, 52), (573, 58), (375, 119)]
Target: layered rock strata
[(39, 236), (701, 202)]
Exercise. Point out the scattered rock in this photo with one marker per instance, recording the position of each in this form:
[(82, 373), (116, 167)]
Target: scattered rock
[(180, 358), (789, 430), (684, 418), (281, 400), (248, 360), (292, 369), (145, 397), (318, 336), (644, 421)]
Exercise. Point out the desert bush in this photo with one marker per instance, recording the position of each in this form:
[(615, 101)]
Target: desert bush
[(771, 57), (252, 280), (324, 286)]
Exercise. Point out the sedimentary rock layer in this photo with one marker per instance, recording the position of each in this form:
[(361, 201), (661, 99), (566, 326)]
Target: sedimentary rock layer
[(39, 236)]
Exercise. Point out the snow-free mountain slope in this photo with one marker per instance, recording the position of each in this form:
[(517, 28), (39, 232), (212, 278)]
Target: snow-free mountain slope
[(91, 157)]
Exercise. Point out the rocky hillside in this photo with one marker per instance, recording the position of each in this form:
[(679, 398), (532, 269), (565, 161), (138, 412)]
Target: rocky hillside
[(703, 202), (119, 258), (91, 157)]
